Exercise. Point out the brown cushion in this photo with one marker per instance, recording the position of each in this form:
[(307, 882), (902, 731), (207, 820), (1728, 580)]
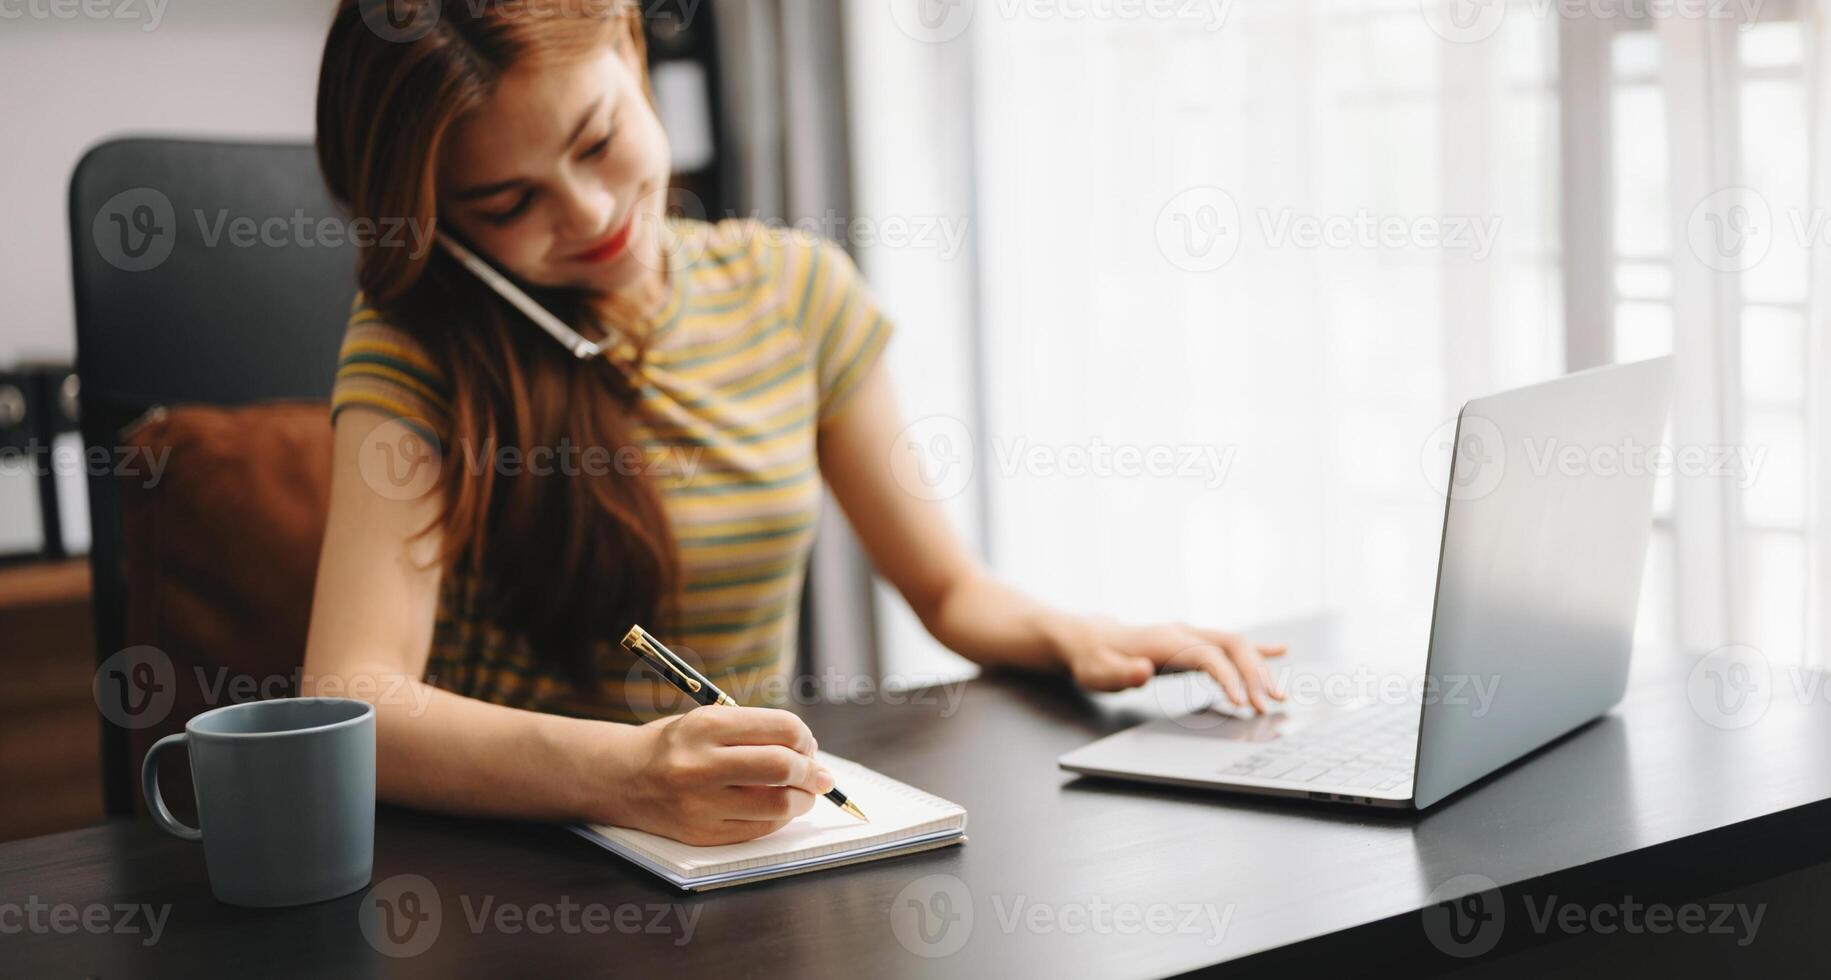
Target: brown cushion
[(220, 555)]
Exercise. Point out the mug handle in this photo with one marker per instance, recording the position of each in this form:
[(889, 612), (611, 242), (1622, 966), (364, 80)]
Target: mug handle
[(149, 783)]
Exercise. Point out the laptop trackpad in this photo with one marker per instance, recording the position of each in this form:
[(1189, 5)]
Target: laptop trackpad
[(1228, 727)]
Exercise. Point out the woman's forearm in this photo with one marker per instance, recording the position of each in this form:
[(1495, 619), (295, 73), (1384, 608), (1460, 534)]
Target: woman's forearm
[(437, 750), (992, 623)]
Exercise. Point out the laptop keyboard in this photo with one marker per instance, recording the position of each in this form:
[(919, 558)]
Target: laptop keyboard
[(1369, 748)]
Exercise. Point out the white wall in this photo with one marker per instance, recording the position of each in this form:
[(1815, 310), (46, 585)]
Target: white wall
[(227, 68)]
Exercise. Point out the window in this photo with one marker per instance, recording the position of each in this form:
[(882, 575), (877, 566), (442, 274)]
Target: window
[(1763, 415), (1171, 256)]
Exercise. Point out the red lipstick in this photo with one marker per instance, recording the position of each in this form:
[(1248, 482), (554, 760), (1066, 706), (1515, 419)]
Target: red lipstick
[(610, 247)]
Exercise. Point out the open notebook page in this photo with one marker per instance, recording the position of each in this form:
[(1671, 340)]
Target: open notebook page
[(898, 812)]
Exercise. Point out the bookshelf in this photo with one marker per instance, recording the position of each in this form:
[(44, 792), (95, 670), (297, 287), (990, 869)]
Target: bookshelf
[(50, 744)]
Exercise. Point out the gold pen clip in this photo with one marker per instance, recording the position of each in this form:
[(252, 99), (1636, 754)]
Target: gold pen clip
[(637, 641)]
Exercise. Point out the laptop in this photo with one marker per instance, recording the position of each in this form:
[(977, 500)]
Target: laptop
[(1548, 508)]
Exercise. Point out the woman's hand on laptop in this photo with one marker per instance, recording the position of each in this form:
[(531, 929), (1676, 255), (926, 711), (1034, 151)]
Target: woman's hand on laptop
[(1107, 655)]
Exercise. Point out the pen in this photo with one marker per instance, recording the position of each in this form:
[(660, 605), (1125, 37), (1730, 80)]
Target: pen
[(694, 684)]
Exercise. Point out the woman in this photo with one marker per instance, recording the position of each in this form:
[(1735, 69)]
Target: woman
[(741, 367)]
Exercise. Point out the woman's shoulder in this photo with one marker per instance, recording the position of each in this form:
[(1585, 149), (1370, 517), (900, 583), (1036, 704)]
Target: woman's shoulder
[(382, 366), (735, 252), (728, 250), (370, 336), (368, 326)]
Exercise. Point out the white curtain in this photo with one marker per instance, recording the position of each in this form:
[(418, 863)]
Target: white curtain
[(1278, 252), (1817, 361), (1745, 205), (1190, 408), (1236, 261)]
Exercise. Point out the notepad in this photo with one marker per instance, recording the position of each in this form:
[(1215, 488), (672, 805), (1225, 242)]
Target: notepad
[(904, 820)]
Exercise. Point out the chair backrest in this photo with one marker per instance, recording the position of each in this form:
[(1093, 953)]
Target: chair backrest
[(204, 272)]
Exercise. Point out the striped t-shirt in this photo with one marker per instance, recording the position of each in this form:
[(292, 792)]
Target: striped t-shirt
[(764, 334)]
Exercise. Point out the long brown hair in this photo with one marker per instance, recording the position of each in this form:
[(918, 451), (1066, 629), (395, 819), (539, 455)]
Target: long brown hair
[(565, 560)]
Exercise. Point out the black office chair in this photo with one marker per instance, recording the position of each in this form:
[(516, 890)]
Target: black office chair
[(172, 308)]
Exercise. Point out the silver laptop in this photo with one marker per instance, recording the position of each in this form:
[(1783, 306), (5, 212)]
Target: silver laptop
[(1545, 526)]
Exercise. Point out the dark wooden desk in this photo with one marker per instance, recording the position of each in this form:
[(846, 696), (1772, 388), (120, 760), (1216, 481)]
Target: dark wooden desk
[(1651, 802)]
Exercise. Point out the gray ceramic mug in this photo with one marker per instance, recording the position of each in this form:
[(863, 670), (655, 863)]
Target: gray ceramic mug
[(285, 798)]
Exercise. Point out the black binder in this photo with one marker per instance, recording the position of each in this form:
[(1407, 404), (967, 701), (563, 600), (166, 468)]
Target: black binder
[(63, 490)]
